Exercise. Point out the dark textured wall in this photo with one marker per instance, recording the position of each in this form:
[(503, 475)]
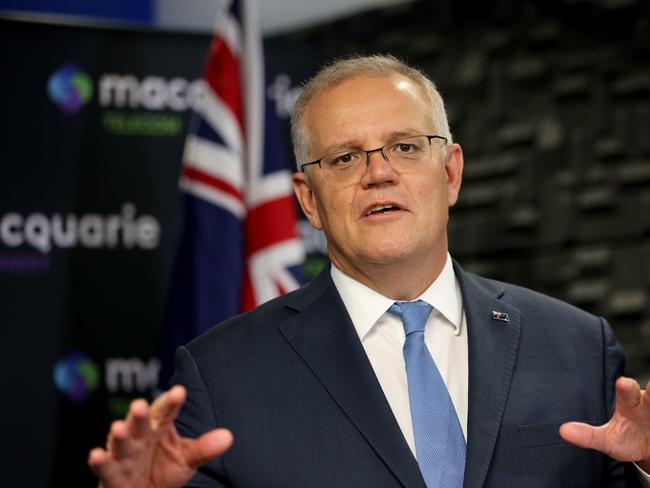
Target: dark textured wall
[(551, 103)]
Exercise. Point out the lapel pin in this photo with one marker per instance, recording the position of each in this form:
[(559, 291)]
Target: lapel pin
[(502, 316)]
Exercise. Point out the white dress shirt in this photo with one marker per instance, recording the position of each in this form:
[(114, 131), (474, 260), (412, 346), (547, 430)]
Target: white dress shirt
[(382, 336), (445, 335)]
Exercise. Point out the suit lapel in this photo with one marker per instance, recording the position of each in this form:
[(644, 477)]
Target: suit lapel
[(323, 335), (493, 345)]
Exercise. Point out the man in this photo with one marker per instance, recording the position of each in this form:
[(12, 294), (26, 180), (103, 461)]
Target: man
[(314, 386)]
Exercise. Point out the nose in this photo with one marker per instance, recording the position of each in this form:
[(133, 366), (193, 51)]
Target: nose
[(378, 170)]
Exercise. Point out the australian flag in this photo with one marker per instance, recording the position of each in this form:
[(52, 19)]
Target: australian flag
[(239, 245)]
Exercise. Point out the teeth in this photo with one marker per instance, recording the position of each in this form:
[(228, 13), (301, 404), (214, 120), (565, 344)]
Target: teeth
[(378, 208)]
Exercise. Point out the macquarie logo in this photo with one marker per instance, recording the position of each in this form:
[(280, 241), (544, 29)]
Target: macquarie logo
[(130, 105), (151, 106), (124, 230), (69, 88), (76, 376), (131, 375), (150, 93)]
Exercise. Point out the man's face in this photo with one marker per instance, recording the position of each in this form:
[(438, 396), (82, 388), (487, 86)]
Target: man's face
[(366, 112)]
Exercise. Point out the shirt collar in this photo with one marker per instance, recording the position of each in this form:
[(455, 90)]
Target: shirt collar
[(365, 306)]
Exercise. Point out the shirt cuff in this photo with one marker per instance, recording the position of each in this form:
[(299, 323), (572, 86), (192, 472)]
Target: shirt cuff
[(643, 477)]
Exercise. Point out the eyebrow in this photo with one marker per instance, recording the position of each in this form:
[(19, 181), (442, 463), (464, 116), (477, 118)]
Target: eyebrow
[(354, 145)]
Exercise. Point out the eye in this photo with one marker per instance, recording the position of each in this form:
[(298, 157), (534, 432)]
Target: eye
[(343, 160), (412, 147), (405, 147)]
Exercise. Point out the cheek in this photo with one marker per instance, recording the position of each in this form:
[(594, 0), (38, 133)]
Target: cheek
[(329, 210), (439, 189), (337, 206), (434, 200)]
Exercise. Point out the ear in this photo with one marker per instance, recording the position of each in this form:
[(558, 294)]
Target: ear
[(454, 168), (302, 187)]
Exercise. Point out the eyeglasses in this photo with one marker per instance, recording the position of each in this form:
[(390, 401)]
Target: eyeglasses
[(401, 154)]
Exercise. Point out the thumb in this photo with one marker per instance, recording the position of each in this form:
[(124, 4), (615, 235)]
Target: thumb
[(207, 447), (583, 435)]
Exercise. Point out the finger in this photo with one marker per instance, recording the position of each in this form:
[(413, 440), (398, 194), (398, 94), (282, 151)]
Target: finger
[(583, 435), (137, 420), (119, 443), (100, 462), (207, 447), (167, 406), (628, 392)]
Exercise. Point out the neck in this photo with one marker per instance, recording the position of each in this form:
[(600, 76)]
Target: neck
[(397, 280)]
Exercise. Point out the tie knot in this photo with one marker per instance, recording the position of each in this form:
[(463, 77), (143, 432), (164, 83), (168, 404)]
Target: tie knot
[(414, 315)]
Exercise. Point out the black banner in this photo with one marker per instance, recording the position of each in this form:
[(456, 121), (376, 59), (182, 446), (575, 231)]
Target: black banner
[(91, 143)]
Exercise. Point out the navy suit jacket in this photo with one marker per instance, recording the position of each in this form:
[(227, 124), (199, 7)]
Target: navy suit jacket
[(293, 383)]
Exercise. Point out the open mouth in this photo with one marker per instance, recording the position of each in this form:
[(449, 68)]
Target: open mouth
[(376, 209)]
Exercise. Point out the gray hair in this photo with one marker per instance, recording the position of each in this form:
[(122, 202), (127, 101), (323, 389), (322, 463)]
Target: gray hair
[(343, 69)]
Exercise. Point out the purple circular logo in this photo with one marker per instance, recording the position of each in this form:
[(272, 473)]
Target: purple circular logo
[(70, 88), (77, 376)]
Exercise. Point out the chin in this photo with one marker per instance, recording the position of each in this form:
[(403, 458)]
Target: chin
[(389, 255)]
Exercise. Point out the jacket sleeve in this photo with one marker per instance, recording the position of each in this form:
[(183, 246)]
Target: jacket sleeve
[(197, 417)]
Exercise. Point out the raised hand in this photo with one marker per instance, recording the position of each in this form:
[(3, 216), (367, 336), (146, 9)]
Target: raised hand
[(626, 437), (144, 450)]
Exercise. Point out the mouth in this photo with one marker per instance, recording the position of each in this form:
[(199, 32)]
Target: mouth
[(381, 208)]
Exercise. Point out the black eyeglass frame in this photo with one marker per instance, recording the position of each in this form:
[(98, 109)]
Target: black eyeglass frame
[(379, 149)]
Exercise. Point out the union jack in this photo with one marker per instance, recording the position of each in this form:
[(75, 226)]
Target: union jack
[(239, 244)]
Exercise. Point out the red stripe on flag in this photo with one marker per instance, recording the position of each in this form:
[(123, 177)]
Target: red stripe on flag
[(247, 297), (196, 175), (248, 301), (222, 74), (270, 223), (281, 289)]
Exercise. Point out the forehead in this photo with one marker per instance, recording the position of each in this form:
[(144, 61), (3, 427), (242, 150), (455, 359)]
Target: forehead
[(366, 109)]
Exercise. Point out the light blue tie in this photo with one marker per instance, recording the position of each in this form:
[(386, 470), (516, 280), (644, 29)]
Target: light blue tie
[(439, 441)]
